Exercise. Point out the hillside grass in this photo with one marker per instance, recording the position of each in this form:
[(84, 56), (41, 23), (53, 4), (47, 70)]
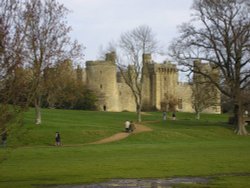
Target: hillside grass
[(181, 148)]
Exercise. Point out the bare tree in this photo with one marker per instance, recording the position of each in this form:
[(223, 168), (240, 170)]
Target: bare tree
[(220, 35), (47, 42), (204, 94), (169, 103), (202, 97), (104, 50), (134, 44)]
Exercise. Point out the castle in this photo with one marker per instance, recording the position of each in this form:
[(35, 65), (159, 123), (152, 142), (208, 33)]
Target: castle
[(160, 85)]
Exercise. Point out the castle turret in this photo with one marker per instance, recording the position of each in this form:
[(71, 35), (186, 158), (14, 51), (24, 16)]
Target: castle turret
[(163, 81), (101, 77), (146, 58), (111, 57)]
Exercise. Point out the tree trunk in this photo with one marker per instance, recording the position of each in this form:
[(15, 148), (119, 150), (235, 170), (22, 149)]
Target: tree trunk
[(139, 116), (241, 129), (240, 124), (197, 115), (38, 111), (138, 111)]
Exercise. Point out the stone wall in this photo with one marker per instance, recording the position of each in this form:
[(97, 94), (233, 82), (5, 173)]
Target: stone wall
[(184, 94), (126, 98), (160, 84)]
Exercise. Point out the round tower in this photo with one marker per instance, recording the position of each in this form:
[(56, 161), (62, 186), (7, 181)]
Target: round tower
[(101, 78)]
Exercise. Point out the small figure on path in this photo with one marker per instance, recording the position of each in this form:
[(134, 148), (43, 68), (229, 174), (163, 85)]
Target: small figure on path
[(132, 126), (246, 113), (4, 138), (58, 139), (127, 126), (164, 116), (173, 116)]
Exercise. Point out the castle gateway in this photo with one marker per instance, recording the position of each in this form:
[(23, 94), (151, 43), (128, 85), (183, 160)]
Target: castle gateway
[(160, 86)]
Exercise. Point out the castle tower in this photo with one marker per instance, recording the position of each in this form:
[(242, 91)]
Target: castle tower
[(111, 57), (164, 81), (101, 78), (212, 94), (146, 87)]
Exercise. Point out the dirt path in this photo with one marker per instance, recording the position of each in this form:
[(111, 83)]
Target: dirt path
[(119, 136), (116, 137)]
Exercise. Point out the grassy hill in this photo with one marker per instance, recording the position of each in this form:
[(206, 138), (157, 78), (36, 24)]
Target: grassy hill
[(182, 148)]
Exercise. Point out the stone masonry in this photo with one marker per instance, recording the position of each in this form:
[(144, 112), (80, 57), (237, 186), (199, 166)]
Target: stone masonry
[(159, 87)]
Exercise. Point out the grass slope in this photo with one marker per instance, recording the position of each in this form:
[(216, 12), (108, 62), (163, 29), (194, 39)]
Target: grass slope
[(185, 147)]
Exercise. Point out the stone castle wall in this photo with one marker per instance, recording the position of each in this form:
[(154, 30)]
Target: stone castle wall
[(126, 98), (184, 94), (160, 83)]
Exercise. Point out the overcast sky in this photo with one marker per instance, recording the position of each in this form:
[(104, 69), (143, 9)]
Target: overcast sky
[(97, 22)]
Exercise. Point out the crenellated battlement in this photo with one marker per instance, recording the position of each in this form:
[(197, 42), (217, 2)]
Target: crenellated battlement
[(99, 63)]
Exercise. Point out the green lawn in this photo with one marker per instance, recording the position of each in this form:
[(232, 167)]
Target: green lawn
[(182, 148)]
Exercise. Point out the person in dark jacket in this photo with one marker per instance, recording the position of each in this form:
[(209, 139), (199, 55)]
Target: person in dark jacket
[(58, 139), (173, 116)]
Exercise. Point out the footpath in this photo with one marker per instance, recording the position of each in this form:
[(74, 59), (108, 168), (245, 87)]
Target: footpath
[(119, 136)]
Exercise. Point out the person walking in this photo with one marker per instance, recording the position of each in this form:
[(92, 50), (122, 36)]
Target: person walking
[(4, 138), (132, 126), (127, 126), (164, 116), (58, 139), (173, 116), (246, 113)]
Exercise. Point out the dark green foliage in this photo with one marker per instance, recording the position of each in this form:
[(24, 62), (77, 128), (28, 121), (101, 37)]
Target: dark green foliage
[(87, 101), (65, 89)]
